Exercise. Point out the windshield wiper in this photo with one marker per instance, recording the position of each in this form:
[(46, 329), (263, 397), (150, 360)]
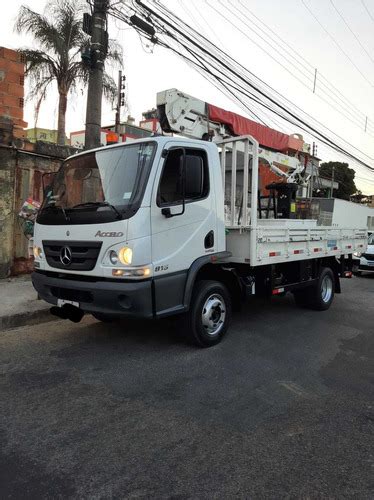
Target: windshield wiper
[(59, 207), (98, 204)]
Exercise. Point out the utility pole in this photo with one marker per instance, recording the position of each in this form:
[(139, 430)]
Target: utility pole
[(314, 147), (120, 100), (118, 108), (315, 81), (98, 51), (332, 181)]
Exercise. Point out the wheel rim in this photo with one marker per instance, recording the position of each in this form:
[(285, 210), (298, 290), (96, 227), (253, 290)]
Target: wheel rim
[(326, 289), (214, 314)]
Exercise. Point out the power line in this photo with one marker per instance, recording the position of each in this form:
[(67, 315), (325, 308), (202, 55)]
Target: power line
[(350, 29), (259, 112), (337, 44), (351, 116), (207, 52), (173, 28), (189, 13), (367, 10), (278, 95), (292, 52)]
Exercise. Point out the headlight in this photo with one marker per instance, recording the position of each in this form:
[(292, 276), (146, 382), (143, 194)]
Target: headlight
[(357, 254), (38, 252), (125, 255), (113, 257)]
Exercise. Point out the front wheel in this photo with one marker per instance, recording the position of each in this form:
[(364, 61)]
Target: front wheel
[(210, 313)]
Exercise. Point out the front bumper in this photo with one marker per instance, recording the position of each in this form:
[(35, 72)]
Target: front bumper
[(363, 265), (116, 298)]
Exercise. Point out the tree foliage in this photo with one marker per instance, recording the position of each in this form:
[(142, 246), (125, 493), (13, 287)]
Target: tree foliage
[(343, 175), (60, 38)]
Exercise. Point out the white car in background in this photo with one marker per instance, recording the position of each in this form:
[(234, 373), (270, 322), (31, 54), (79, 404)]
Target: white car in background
[(364, 262)]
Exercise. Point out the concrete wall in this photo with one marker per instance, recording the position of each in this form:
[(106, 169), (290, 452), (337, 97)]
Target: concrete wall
[(21, 174), (7, 182)]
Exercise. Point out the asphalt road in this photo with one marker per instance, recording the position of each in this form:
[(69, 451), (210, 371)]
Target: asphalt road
[(283, 408)]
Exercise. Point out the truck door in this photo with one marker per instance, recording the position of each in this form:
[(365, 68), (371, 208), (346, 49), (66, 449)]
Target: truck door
[(181, 232)]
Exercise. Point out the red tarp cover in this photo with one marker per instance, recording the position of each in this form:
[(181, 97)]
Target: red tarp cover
[(266, 136)]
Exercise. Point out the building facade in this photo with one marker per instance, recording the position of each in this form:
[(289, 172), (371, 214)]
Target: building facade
[(128, 131), (43, 134), (12, 93)]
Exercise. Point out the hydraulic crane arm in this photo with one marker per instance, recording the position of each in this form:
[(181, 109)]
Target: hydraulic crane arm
[(186, 115)]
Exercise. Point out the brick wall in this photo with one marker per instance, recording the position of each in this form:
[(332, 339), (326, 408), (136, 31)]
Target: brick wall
[(12, 71)]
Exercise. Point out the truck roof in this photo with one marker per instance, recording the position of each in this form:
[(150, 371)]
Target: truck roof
[(160, 139)]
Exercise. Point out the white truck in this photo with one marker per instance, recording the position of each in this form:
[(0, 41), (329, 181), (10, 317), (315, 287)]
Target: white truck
[(363, 262), (172, 226)]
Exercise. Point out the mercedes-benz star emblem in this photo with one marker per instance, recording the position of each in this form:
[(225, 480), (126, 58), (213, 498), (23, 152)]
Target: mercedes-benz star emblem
[(65, 256)]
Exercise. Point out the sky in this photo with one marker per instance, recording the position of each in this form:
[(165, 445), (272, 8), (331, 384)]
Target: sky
[(343, 56)]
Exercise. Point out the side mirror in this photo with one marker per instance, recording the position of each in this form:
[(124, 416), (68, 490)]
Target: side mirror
[(166, 212)]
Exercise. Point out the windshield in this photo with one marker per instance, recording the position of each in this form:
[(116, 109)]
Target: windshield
[(106, 184), (371, 239)]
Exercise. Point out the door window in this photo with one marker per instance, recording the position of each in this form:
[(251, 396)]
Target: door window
[(195, 182)]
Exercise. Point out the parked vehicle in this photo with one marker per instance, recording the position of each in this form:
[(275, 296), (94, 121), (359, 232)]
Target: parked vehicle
[(363, 262), (175, 226)]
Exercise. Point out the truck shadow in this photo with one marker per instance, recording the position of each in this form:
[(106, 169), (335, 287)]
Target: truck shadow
[(276, 318), (129, 333)]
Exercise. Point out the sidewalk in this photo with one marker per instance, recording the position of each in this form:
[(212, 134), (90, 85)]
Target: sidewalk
[(19, 304)]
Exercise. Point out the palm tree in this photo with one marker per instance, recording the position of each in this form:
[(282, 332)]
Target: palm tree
[(60, 36)]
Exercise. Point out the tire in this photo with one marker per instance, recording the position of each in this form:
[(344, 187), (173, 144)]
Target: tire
[(322, 295), (104, 318), (358, 273), (209, 316)]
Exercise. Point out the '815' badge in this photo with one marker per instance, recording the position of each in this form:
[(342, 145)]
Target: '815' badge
[(161, 268)]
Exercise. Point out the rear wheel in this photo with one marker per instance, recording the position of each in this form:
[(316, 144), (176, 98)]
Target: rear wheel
[(210, 313), (358, 273), (322, 295)]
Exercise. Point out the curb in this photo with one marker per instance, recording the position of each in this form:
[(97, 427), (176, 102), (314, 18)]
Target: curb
[(25, 318)]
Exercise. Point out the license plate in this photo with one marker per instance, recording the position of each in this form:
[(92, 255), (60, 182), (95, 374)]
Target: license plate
[(61, 302)]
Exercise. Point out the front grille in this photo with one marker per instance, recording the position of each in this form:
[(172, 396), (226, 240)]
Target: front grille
[(83, 254), (70, 294), (368, 256)]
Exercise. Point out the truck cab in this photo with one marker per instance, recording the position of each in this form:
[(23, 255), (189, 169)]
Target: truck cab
[(121, 227)]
